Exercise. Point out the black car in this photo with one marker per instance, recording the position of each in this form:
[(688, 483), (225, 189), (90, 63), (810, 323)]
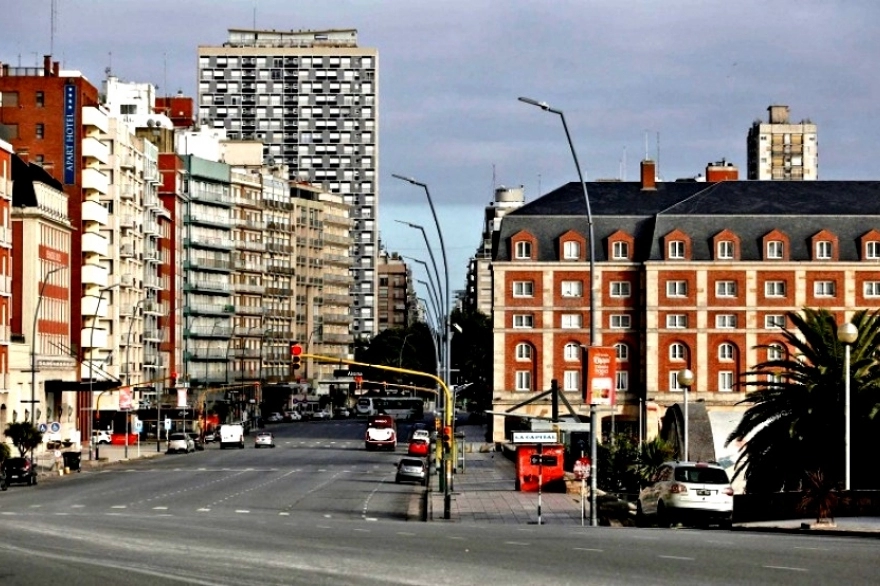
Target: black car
[(19, 470)]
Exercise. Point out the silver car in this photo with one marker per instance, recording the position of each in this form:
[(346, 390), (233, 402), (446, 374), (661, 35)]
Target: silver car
[(180, 442), (683, 492), (412, 469)]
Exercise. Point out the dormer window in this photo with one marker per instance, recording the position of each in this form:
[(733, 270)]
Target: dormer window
[(823, 250), (775, 250), (523, 250), (571, 250), (620, 251), (676, 249), (725, 249), (872, 250)]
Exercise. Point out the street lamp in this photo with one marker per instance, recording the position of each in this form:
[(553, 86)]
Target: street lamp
[(128, 369), (43, 283), (594, 418), (427, 270), (685, 380), (434, 302), (847, 333), (447, 495)]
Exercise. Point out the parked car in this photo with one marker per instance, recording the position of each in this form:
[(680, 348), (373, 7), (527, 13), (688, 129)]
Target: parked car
[(687, 492), (322, 414), (294, 416), (264, 439), (19, 471), (211, 436), (99, 436), (418, 447), (180, 442), (198, 444), (411, 469), (275, 418)]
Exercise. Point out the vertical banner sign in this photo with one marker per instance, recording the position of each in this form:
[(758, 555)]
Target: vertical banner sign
[(181, 397), (69, 134), (601, 375), (125, 399)]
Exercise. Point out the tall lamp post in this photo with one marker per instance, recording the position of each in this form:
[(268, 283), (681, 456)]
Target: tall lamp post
[(685, 380), (594, 418), (847, 333), (128, 368), (43, 284), (427, 270), (448, 415)]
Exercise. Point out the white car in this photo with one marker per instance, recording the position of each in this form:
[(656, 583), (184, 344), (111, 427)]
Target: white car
[(295, 415), (323, 414), (275, 418), (421, 434), (100, 437), (687, 492), (264, 439), (180, 442)]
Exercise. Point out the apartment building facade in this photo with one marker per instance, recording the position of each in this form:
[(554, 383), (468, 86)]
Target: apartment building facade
[(396, 293), (311, 98), (780, 150), (688, 275)]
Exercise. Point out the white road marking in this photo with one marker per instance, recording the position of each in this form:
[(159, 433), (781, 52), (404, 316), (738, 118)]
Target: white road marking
[(675, 557), (77, 506), (160, 508), (374, 519), (786, 568), (10, 513), (589, 549), (284, 514), (203, 510), (119, 507), (515, 543), (242, 511), (405, 533), (362, 530)]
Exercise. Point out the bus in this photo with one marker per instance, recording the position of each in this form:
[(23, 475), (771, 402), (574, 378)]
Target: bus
[(366, 406), (406, 408)]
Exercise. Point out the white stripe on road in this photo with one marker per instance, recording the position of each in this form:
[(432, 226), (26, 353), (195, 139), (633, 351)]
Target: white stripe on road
[(588, 549), (160, 508), (786, 568), (203, 510), (515, 543), (119, 506), (675, 557), (242, 511)]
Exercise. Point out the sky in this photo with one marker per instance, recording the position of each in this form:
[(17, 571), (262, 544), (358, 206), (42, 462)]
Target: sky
[(679, 80)]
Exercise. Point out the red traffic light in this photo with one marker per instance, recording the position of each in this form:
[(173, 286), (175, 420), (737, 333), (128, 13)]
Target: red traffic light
[(296, 349)]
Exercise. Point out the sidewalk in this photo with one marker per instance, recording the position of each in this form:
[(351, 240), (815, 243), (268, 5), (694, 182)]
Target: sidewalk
[(106, 455), (484, 493)]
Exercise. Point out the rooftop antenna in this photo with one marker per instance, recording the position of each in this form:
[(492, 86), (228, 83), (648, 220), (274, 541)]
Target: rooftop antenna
[(658, 154), (53, 19), (109, 67), (646, 145), (494, 184)]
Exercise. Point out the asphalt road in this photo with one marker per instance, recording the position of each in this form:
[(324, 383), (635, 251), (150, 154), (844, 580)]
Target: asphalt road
[(319, 509)]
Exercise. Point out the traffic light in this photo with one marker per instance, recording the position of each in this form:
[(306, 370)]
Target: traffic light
[(446, 436), (295, 355)]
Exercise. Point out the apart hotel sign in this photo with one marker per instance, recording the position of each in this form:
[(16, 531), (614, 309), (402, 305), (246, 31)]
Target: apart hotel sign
[(69, 134), (601, 365)]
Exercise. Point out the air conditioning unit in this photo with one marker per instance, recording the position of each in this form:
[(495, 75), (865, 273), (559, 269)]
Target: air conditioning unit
[(127, 280)]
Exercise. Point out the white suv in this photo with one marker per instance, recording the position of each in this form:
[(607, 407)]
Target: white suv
[(100, 437), (687, 491)]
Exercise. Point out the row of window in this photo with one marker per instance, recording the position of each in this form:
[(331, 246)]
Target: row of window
[(676, 250), (571, 381), (723, 321), (679, 288)]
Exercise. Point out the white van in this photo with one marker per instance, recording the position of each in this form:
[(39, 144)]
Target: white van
[(231, 434)]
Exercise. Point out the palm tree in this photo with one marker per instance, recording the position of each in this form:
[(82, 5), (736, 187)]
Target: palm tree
[(795, 424)]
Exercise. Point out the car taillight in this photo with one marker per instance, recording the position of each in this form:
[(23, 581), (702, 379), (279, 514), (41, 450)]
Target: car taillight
[(728, 491), (677, 488)]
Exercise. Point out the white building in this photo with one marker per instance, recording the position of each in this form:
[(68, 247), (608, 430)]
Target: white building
[(781, 151), (311, 97)]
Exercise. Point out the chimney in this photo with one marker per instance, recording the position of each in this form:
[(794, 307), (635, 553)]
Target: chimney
[(47, 65), (721, 171), (649, 175)]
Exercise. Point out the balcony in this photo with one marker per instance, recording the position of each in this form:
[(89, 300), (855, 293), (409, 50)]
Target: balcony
[(95, 149), (95, 180), (218, 243), (90, 307), (93, 211), (94, 243), (126, 251), (93, 338), (126, 222), (95, 118), (94, 275)]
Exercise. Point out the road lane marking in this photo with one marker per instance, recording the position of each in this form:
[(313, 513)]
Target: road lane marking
[(284, 514), (589, 549), (361, 530), (119, 507), (77, 506), (203, 510), (789, 568), (10, 513), (676, 557), (513, 542), (242, 511), (36, 506), (406, 533), (160, 508)]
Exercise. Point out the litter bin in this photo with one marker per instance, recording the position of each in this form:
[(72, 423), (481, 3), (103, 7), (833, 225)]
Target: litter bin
[(72, 460)]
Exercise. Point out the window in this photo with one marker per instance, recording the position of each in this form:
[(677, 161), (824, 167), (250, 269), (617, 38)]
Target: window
[(622, 352), (620, 251), (523, 289), (676, 351), (571, 321), (572, 351), (620, 288), (40, 130), (572, 289), (676, 249), (40, 99), (872, 250), (523, 249), (823, 250), (774, 321), (725, 288), (725, 381), (523, 351), (775, 352), (523, 380), (774, 249), (622, 380), (774, 289), (676, 288), (523, 320), (872, 288), (725, 321), (571, 250), (676, 321), (571, 380), (129, 109), (673, 381), (725, 249), (620, 322), (824, 289), (725, 352)]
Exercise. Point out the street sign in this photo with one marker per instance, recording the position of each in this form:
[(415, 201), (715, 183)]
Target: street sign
[(54, 427), (138, 426), (43, 427), (535, 437), (167, 424), (581, 468), (543, 460)]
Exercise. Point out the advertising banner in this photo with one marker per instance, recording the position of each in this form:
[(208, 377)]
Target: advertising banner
[(125, 399), (181, 397), (601, 376)]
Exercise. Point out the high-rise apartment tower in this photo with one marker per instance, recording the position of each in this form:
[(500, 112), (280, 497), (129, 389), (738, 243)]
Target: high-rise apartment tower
[(311, 98), (779, 150)]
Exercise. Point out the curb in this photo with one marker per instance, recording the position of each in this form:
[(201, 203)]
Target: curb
[(817, 532)]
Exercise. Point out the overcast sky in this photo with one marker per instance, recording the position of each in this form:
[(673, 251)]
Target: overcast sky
[(695, 73)]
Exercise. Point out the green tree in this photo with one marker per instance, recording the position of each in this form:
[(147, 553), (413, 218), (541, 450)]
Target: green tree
[(651, 456), (4, 451), (616, 472), (794, 426), (24, 436), (472, 356)]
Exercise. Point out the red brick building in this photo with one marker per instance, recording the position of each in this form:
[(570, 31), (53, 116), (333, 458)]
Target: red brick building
[(689, 275)]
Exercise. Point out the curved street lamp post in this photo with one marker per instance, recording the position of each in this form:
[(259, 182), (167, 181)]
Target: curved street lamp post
[(847, 333)]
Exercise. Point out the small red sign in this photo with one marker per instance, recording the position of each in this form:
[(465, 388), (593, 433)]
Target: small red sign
[(582, 468)]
